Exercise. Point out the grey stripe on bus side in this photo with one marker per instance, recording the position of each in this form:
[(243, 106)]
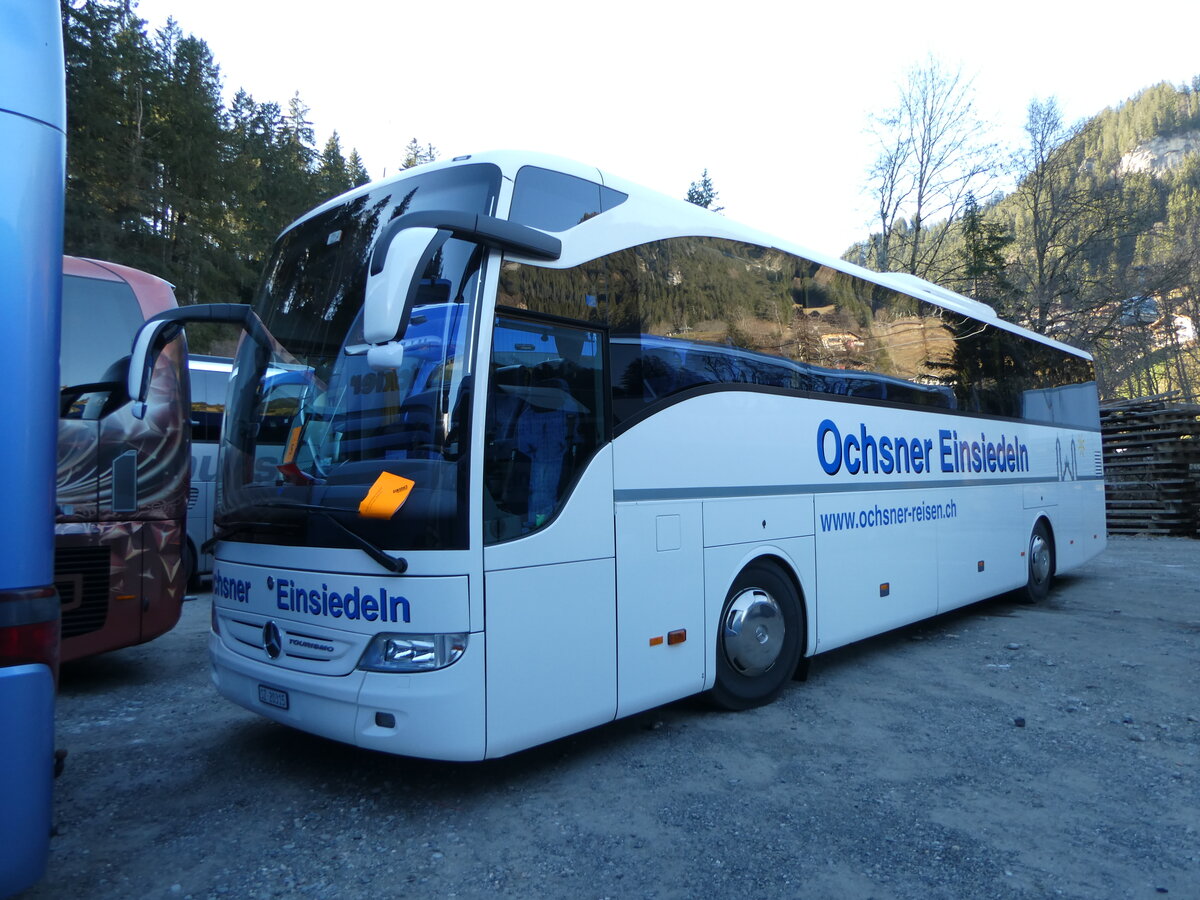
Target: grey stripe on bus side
[(636, 495)]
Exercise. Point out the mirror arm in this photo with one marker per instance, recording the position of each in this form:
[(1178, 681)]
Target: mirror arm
[(160, 330), (470, 226)]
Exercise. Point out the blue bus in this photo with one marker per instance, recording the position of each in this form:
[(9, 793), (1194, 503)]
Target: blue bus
[(33, 134)]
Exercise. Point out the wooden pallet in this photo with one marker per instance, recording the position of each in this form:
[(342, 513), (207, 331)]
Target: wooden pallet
[(1152, 466)]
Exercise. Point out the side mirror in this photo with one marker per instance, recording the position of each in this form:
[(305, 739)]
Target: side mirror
[(393, 279), (402, 251), (150, 340), (160, 330)]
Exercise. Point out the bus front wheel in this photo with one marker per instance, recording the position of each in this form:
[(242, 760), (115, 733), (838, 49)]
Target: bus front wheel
[(1041, 563), (191, 576), (759, 638)]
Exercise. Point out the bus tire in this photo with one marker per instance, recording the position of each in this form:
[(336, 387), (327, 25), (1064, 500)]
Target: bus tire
[(759, 638), (191, 576), (1040, 564)]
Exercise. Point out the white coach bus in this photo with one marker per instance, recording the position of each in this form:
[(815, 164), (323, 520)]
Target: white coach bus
[(209, 377), (210, 385), (568, 449)]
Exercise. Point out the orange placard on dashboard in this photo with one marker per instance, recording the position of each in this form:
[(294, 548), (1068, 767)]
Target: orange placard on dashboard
[(387, 495), (293, 442)]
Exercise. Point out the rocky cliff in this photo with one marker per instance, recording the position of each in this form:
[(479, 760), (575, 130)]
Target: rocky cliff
[(1160, 154)]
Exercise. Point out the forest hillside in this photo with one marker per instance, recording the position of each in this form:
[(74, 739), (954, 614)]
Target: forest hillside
[(1098, 244)]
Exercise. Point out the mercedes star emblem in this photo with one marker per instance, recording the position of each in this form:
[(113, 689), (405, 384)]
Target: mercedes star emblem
[(272, 640)]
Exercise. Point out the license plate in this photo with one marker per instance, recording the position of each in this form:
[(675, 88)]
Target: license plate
[(273, 696)]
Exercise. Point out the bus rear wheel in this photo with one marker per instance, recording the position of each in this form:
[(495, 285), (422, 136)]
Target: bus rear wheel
[(1041, 564), (759, 638)]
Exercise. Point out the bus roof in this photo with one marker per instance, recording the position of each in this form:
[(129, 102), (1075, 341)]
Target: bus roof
[(154, 294), (648, 215)]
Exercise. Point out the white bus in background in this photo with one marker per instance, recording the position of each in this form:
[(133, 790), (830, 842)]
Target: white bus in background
[(210, 382), (567, 449)]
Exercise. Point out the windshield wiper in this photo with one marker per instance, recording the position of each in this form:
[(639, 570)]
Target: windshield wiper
[(397, 564)]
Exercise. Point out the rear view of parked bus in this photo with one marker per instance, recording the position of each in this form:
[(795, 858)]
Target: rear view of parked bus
[(119, 562), (566, 449)]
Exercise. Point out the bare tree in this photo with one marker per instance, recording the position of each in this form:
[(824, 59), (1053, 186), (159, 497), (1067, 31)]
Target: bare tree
[(1051, 192), (933, 152), (1068, 214)]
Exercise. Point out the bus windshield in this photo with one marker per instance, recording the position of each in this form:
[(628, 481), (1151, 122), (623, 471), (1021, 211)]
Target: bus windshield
[(313, 430)]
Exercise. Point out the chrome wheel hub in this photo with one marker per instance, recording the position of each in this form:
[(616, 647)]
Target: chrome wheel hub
[(1039, 559), (753, 632)]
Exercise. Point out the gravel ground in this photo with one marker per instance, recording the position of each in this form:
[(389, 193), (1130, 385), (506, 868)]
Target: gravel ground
[(1002, 751)]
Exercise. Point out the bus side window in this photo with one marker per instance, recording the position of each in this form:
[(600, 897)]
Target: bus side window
[(545, 420)]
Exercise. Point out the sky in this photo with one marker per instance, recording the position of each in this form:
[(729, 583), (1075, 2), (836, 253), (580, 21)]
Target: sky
[(773, 98)]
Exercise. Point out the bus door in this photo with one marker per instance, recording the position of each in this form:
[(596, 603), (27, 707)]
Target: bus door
[(549, 582)]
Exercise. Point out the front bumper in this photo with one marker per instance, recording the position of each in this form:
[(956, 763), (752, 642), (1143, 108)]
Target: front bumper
[(437, 715)]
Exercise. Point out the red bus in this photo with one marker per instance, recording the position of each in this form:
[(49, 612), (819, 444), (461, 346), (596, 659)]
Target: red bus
[(120, 551)]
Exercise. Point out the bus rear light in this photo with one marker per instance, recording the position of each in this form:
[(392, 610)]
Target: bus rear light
[(412, 652), (24, 644), (30, 627)]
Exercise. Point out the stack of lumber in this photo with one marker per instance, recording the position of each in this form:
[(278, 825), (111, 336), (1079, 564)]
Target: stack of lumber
[(1152, 466)]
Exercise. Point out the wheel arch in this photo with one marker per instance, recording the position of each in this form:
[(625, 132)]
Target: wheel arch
[(787, 567)]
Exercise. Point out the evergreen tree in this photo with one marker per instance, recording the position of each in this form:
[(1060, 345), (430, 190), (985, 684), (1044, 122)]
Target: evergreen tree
[(110, 73), (356, 170), (982, 252), (162, 176), (702, 193), (416, 155), (333, 176), (186, 140)]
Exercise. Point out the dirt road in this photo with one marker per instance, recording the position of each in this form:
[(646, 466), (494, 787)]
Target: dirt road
[(1003, 751)]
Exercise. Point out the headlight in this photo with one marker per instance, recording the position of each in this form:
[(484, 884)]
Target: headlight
[(412, 652)]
